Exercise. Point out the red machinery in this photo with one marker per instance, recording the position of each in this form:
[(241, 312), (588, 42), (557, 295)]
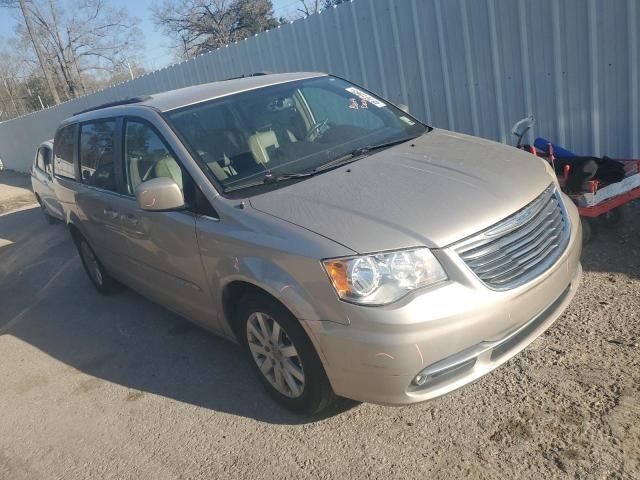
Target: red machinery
[(595, 197)]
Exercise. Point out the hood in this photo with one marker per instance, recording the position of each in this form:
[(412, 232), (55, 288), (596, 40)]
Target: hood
[(438, 189)]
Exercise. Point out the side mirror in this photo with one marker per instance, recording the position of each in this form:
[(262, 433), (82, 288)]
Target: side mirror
[(159, 195), (403, 107)]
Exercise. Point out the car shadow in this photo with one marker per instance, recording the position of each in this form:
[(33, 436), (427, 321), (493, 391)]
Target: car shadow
[(48, 302)]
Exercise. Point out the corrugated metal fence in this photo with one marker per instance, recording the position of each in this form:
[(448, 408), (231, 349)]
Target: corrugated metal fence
[(474, 66)]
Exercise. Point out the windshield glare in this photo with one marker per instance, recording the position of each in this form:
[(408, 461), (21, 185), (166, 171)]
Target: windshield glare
[(288, 128)]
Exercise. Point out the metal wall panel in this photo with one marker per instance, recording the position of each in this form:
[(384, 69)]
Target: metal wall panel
[(474, 66)]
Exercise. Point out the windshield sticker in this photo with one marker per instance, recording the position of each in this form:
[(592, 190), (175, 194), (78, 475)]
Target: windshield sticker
[(366, 97), (408, 121), (353, 104)]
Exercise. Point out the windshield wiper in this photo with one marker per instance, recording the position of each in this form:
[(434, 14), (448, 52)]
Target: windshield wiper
[(270, 178), (335, 163), (358, 152), (371, 148)]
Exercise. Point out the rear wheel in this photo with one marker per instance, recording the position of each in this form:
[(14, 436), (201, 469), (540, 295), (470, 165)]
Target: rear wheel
[(282, 356), (100, 278), (45, 212)]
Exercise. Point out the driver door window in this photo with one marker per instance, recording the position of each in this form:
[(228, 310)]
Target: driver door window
[(147, 157)]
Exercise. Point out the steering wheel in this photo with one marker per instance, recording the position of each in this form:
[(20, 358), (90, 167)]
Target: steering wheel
[(316, 130)]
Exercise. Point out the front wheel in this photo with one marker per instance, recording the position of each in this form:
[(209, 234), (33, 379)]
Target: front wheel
[(100, 278), (282, 356)]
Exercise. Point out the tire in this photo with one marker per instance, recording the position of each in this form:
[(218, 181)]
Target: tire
[(100, 278), (304, 386), (46, 214)]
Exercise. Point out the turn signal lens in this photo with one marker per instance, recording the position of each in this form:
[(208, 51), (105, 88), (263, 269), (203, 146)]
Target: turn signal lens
[(337, 270)]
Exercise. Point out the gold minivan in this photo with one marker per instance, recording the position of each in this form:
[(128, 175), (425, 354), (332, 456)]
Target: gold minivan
[(351, 249)]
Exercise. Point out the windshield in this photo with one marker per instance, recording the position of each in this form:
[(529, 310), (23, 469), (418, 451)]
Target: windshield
[(288, 128)]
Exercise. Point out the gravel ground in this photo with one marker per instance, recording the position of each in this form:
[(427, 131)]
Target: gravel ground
[(117, 387)]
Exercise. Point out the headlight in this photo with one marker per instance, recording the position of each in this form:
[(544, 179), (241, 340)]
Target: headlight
[(382, 278)]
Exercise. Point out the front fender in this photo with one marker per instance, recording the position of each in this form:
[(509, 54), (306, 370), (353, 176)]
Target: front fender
[(310, 301), (280, 258)]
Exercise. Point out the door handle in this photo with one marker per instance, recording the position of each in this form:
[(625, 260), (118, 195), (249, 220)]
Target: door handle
[(130, 219), (109, 213)]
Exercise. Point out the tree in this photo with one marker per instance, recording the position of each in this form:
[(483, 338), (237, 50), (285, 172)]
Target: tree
[(333, 3), (124, 73), (35, 93), (89, 38), (198, 26), (309, 7), (16, 75), (38, 49)]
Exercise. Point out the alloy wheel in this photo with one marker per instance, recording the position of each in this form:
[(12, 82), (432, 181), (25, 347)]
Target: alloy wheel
[(275, 354)]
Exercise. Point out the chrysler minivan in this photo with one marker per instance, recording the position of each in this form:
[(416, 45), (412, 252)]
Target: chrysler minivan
[(351, 249)]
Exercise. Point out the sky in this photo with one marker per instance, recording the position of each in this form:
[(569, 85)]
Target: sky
[(157, 51)]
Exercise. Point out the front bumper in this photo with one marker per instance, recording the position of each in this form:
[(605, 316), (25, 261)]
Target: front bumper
[(452, 333)]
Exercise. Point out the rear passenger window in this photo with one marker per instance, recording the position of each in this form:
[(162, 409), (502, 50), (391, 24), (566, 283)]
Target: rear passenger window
[(63, 152), (147, 157), (96, 154)]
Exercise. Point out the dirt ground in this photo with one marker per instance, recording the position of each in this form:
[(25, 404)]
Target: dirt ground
[(117, 387), (15, 191)]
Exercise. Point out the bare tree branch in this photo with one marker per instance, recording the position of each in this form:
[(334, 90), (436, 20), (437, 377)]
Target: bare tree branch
[(87, 37), (201, 25)]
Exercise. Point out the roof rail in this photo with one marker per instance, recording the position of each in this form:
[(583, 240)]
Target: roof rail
[(124, 101), (256, 74)]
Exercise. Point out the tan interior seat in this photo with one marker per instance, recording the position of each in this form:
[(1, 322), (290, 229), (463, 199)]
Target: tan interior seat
[(168, 167), (222, 169), (135, 176), (217, 170), (260, 142)]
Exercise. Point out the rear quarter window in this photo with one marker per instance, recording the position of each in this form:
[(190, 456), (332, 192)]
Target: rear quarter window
[(63, 152)]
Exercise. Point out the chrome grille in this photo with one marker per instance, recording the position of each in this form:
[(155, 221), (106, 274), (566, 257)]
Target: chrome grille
[(520, 247)]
